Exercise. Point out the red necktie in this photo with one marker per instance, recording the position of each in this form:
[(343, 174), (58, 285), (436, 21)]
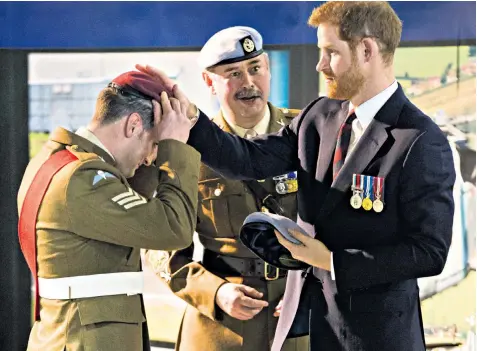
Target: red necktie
[(342, 144)]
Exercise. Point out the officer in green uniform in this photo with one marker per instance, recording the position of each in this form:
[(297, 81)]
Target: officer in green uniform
[(91, 224), (232, 295)]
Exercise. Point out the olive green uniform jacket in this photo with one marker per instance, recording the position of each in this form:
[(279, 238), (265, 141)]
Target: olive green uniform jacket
[(83, 229), (221, 214)]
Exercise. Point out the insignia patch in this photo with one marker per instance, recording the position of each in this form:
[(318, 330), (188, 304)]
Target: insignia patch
[(129, 199), (100, 175), (248, 45)]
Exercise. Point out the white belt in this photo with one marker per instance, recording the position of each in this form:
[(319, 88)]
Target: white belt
[(129, 283)]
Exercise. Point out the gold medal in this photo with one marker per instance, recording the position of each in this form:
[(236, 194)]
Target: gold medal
[(378, 205), (367, 204), (292, 185), (356, 201)]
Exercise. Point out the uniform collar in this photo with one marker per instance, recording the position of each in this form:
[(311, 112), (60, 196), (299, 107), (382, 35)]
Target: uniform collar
[(367, 110), (261, 127), (67, 138), (88, 135)]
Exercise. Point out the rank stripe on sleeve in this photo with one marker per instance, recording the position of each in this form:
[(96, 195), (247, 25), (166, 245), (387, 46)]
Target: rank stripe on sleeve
[(129, 199)]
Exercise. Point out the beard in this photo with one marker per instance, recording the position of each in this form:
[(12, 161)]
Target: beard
[(348, 84)]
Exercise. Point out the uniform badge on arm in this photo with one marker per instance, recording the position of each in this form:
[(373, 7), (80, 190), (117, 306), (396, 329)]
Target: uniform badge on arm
[(165, 167), (100, 175), (129, 199)]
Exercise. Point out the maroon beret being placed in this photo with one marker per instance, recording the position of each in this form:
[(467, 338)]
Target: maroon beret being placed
[(140, 84)]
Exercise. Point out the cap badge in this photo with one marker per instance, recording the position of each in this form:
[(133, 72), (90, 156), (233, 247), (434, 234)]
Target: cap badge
[(248, 45)]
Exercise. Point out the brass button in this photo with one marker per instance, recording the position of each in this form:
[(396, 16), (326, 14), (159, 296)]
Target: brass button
[(218, 190)]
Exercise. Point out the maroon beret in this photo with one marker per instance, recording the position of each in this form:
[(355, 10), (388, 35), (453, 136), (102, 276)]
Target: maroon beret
[(140, 84)]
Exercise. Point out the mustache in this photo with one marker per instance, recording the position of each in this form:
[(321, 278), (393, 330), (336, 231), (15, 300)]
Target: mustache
[(248, 93)]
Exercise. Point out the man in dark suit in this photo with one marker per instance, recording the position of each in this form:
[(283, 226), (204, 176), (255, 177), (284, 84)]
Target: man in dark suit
[(375, 188)]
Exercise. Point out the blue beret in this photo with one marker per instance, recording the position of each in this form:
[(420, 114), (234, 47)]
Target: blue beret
[(280, 223), (257, 234), (231, 45)]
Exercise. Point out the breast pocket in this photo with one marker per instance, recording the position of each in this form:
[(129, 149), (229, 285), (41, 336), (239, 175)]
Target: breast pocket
[(380, 302), (224, 204)]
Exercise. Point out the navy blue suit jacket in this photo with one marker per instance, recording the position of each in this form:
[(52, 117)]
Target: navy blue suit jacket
[(374, 302)]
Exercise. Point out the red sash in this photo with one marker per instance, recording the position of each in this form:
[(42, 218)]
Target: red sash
[(29, 212)]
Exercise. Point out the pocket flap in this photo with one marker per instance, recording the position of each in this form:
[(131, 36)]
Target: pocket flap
[(219, 188), (119, 308)]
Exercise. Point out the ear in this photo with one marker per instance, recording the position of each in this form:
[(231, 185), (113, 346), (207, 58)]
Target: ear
[(267, 64), (133, 125), (371, 49), (208, 81)]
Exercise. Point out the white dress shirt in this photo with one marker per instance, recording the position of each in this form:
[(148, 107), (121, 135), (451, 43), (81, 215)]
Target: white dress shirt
[(364, 115)]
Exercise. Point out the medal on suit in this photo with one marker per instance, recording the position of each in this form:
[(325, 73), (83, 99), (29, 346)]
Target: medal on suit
[(280, 185), (357, 188), (286, 183), (367, 203), (378, 205), (292, 182)]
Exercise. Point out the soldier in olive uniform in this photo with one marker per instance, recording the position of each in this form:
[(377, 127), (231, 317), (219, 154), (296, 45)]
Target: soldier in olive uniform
[(232, 295), (91, 224)]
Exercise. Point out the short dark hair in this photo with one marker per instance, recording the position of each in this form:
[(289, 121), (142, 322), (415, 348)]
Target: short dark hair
[(113, 104), (359, 19)]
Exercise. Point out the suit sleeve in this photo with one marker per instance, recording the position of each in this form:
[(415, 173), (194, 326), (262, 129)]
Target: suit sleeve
[(189, 280), (426, 210), (238, 158), (102, 206)]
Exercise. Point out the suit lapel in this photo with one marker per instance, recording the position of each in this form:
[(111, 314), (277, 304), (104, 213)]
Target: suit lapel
[(331, 128), (369, 144)]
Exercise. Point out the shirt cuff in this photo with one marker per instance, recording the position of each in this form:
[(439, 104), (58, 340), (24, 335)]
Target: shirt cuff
[(332, 268)]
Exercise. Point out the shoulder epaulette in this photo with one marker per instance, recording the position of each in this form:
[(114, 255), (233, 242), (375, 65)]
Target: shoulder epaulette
[(290, 112)]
